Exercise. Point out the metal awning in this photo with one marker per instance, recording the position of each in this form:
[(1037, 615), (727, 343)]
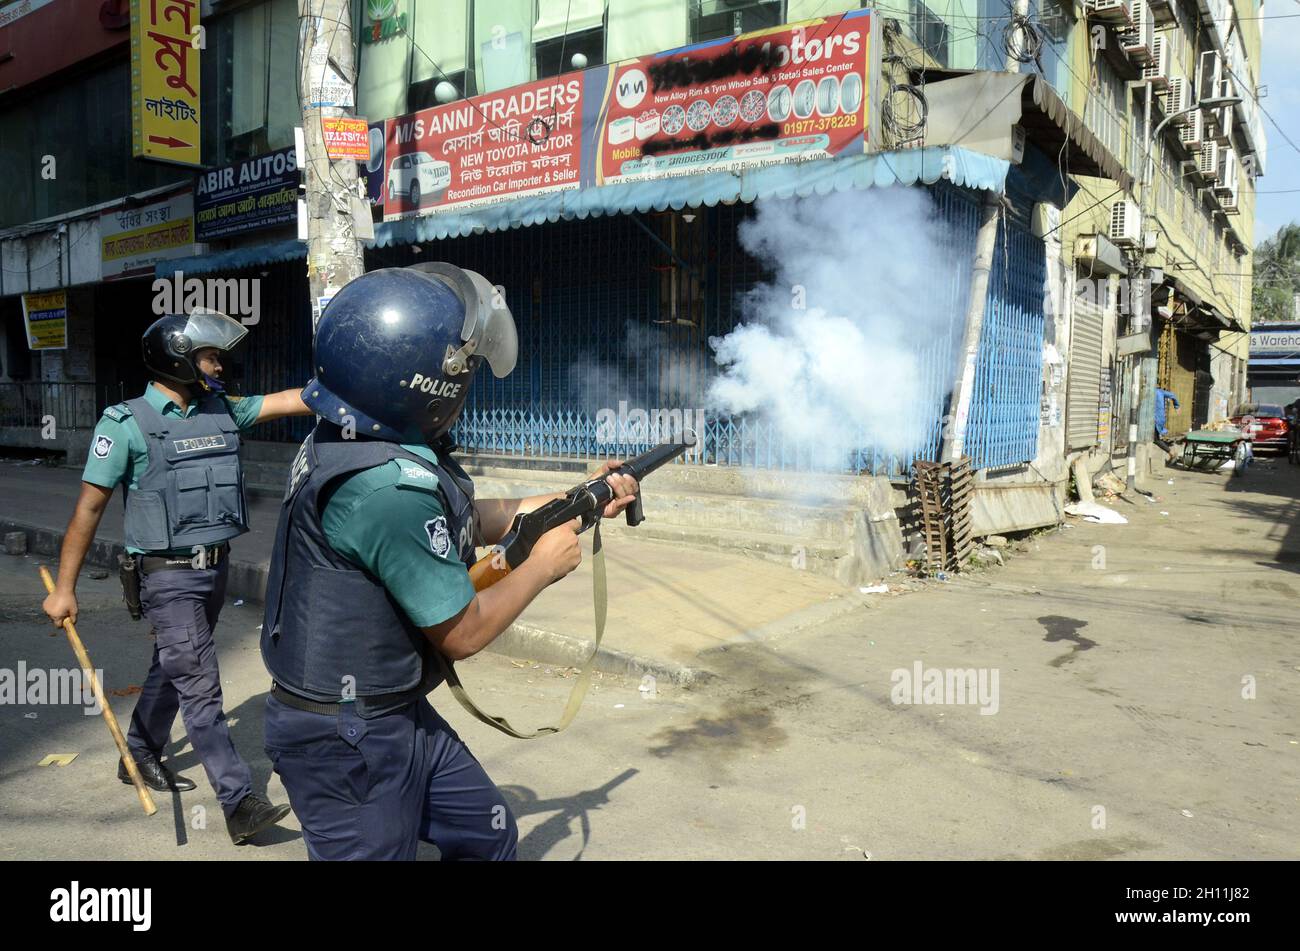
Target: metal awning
[(980, 110), (958, 165), (234, 259)]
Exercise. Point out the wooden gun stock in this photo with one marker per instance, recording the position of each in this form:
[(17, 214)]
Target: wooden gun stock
[(488, 570)]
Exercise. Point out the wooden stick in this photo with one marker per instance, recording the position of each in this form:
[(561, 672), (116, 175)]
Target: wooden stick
[(146, 800)]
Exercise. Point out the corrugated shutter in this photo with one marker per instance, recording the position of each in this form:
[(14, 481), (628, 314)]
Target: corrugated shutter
[(1083, 388)]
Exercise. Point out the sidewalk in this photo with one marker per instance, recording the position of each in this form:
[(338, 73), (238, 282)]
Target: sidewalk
[(667, 603)]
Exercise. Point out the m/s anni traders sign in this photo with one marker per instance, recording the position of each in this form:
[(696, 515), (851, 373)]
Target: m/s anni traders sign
[(165, 40), (789, 94)]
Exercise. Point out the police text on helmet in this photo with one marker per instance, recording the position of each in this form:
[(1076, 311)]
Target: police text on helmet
[(434, 386)]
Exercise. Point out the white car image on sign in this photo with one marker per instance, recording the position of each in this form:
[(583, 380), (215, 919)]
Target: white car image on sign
[(417, 175)]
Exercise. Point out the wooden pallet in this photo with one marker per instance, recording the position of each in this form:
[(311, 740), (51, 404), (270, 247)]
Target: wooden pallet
[(946, 491)]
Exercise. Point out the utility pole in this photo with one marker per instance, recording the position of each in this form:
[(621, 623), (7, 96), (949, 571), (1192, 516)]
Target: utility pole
[(954, 433), (327, 89), (1139, 297)]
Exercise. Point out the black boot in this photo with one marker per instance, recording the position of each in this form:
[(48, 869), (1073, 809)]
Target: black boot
[(251, 816), (155, 774)]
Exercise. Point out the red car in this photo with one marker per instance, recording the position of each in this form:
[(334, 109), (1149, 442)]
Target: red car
[(1266, 423)]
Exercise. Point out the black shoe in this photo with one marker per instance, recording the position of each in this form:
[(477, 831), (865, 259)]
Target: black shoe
[(251, 816), (155, 774)]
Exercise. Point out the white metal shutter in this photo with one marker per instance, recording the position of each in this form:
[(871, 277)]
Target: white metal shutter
[(1083, 388)]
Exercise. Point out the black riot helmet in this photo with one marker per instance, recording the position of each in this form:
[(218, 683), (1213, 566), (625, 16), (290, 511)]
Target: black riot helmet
[(170, 342), (397, 348)]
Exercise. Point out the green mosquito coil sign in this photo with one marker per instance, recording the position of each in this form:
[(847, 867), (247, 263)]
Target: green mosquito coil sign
[(385, 21)]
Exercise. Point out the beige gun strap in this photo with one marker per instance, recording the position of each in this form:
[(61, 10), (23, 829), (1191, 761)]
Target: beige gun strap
[(599, 598)]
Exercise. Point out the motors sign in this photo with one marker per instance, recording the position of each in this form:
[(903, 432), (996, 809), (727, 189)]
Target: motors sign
[(780, 95)]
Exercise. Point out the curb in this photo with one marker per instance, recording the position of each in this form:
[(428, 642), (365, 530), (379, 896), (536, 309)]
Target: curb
[(248, 581)]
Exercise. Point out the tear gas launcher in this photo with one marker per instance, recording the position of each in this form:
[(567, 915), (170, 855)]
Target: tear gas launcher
[(585, 501)]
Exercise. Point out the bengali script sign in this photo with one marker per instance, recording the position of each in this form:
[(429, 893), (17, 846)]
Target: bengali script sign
[(46, 318), (165, 80), (133, 240), (525, 140), (256, 193)]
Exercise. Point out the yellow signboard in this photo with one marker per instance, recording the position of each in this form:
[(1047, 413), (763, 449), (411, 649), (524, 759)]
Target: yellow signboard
[(165, 41), (46, 317), (133, 240)]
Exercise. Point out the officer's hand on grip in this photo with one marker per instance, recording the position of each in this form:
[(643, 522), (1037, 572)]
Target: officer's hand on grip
[(60, 605), (558, 550), (624, 487)]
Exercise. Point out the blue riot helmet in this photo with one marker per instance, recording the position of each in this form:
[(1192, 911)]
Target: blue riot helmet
[(170, 342), (397, 348)]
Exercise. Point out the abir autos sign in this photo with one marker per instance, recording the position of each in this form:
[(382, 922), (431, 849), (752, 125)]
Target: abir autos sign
[(256, 193)]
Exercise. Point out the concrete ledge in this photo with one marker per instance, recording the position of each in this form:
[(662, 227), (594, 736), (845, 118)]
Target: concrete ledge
[(1016, 508), (534, 643), (248, 581), (74, 443)]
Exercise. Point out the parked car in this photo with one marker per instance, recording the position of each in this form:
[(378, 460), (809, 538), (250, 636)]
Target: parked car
[(417, 174), (1266, 423)]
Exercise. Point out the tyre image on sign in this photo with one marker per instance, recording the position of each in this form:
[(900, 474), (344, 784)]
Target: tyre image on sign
[(673, 119), (699, 115), (725, 111), (752, 106), (851, 94), (828, 96), (805, 98), (778, 104)]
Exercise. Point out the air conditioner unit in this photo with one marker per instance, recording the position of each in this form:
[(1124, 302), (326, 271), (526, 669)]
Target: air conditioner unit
[(1222, 118), (1227, 178), (1125, 223), (1136, 41), (1209, 75), (1207, 163), (1228, 201), (1178, 98), (1193, 133), (1161, 10), (1118, 12), (1156, 72)]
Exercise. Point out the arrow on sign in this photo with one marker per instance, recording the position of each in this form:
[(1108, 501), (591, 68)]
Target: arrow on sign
[(58, 759), (170, 141)]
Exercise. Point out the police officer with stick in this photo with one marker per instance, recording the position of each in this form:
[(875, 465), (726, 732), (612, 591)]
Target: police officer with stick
[(174, 449)]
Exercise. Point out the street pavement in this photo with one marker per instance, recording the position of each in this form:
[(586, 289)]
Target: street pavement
[(1146, 706)]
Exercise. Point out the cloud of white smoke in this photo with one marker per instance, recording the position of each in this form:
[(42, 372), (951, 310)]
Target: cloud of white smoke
[(830, 353)]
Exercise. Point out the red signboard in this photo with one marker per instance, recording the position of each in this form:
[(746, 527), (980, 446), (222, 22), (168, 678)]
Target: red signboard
[(520, 141), (786, 94)]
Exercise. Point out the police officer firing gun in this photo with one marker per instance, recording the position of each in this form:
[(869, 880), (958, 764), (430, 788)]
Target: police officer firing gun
[(174, 450), (369, 580)]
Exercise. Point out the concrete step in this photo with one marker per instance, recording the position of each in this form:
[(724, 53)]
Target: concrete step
[(820, 557), (808, 523), (823, 521)]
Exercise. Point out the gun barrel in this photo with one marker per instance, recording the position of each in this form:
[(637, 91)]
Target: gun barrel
[(649, 461)]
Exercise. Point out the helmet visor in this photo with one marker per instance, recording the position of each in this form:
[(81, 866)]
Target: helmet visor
[(493, 327), (210, 328), (488, 321)]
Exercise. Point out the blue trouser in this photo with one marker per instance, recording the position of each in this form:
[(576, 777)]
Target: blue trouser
[(182, 606), (372, 789)]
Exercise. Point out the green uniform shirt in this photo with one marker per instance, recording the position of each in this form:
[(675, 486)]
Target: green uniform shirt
[(119, 453), (376, 519)]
